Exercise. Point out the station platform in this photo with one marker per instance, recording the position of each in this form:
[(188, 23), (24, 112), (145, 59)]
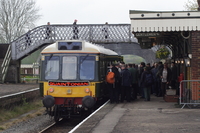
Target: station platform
[(139, 116), (7, 89)]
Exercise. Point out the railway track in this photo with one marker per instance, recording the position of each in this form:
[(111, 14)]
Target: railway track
[(69, 125)]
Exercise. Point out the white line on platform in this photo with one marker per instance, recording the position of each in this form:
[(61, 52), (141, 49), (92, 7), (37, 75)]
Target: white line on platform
[(18, 93), (87, 118)]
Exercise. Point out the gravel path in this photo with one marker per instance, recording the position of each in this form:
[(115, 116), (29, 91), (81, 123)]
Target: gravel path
[(32, 125)]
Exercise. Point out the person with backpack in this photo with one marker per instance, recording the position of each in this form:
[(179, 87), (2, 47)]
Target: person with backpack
[(126, 84), (146, 82), (112, 79)]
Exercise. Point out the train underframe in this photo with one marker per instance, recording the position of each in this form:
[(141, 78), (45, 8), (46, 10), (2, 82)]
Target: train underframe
[(71, 107)]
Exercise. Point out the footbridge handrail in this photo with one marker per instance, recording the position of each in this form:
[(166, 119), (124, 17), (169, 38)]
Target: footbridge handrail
[(5, 64), (48, 34)]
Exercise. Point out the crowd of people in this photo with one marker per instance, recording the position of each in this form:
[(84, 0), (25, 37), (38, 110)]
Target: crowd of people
[(141, 81)]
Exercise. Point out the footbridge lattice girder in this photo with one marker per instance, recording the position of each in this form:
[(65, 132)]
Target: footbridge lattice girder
[(47, 34)]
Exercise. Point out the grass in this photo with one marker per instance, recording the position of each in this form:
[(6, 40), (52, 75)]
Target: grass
[(11, 117)]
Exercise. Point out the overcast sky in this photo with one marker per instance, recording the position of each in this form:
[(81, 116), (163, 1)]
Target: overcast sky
[(100, 11)]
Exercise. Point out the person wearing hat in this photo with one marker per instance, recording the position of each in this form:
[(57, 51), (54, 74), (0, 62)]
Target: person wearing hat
[(75, 30)]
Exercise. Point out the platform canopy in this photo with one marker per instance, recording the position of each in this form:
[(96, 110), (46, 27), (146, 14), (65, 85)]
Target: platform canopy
[(159, 21)]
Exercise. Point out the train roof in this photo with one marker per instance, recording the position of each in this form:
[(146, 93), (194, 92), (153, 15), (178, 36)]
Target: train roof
[(86, 48)]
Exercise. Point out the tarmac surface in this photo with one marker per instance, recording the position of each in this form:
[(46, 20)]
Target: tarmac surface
[(7, 89), (155, 116)]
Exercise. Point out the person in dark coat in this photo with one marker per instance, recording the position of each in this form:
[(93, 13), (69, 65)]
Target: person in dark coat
[(160, 66), (155, 86), (48, 31), (75, 30), (126, 84), (134, 73), (174, 75), (105, 30), (146, 88), (114, 88), (165, 76), (141, 69)]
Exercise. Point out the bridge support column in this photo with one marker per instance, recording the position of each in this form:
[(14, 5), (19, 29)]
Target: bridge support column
[(13, 73)]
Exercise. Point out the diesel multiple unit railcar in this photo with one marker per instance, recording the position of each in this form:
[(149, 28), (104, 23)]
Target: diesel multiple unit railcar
[(72, 76)]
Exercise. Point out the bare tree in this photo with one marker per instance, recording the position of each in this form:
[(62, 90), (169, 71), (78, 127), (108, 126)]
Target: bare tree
[(191, 5), (16, 17)]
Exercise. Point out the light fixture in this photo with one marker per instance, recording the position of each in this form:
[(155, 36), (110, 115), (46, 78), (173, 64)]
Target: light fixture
[(187, 61), (176, 60), (182, 61), (190, 56)]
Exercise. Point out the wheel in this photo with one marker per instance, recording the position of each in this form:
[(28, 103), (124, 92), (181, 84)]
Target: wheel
[(56, 113)]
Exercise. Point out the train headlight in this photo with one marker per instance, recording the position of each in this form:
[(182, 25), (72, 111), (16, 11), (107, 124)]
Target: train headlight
[(69, 91), (51, 90), (87, 90)]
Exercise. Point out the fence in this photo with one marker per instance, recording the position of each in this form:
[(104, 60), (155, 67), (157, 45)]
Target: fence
[(190, 93)]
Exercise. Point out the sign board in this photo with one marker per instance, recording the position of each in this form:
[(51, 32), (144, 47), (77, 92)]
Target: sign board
[(147, 34)]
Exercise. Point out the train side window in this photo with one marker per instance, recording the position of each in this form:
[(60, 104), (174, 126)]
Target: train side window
[(69, 67), (52, 67), (87, 68)]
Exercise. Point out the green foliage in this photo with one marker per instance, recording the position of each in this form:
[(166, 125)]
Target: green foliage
[(18, 110), (162, 53), (31, 58), (24, 101)]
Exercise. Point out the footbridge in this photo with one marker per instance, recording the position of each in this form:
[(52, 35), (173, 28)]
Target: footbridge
[(48, 34)]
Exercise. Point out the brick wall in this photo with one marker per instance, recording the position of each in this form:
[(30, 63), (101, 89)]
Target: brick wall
[(195, 62)]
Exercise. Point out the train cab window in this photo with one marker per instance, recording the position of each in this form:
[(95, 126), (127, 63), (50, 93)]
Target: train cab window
[(69, 67), (69, 45), (52, 67), (87, 68)]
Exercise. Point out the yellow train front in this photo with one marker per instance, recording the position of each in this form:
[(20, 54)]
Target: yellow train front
[(72, 77)]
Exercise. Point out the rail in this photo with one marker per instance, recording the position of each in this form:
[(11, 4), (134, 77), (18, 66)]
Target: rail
[(190, 93)]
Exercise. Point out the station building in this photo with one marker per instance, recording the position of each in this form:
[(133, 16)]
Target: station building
[(179, 31)]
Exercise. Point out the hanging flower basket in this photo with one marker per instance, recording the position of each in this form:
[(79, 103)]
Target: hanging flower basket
[(162, 53)]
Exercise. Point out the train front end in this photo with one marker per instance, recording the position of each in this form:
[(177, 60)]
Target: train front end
[(69, 79)]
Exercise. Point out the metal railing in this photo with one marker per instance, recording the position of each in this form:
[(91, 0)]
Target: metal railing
[(5, 64), (42, 35), (190, 93)]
